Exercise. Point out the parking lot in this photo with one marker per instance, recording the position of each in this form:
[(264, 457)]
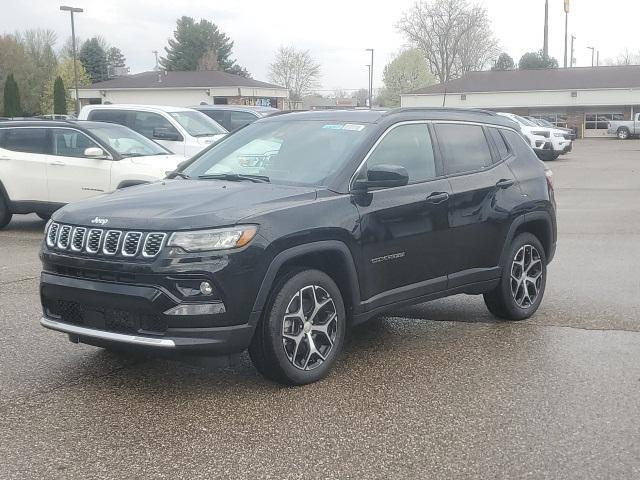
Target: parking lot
[(439, 390)]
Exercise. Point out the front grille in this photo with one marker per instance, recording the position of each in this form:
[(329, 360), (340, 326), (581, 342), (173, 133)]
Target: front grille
[(153, 244), (104, 318), (77, 241), (63, 238), (100, 242), (131, 244), (111, 242)]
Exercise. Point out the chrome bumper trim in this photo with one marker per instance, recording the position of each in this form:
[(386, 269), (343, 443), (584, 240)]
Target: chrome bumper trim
[(111, 336)]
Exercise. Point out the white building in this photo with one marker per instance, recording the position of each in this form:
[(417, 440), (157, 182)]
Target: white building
[(182, 89), (584, 98)]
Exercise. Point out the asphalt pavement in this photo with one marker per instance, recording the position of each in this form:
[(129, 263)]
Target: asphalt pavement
[(438, 390)]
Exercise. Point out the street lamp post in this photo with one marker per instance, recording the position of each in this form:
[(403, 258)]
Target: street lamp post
[(566, 30), (592, 54), (370, 79), (73, 10)]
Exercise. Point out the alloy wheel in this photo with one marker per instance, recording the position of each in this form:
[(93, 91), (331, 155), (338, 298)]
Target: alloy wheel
[(309, 327), (526, 276)]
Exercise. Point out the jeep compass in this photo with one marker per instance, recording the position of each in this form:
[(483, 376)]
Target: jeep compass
[(298, 226)]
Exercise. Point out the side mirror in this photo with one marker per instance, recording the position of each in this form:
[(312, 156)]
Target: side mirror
[(94, 152), (163, 133), (383, 176)]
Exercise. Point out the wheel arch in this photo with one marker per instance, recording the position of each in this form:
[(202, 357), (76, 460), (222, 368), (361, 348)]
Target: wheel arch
[(536, 223), (332, 257)]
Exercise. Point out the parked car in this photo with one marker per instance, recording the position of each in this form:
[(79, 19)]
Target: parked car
[(233, 117), (555, 143), (56, 116), (358, 213), (624, 129), (45, 164), (569, 133), (184, 131)]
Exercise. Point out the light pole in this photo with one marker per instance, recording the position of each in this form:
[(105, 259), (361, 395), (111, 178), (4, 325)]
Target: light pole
[(155, 52), (545, 46), (370, 79), (566, 29), (572, 60), (592, 54), (73, 10)]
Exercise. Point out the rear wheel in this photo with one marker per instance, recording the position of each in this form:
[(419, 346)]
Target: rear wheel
[(623, 133), (524, 276), (301, 333), (5, 213)]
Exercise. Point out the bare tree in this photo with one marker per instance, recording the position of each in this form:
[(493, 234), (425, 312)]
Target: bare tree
[(625, 58), (296, 70), (454, 36)]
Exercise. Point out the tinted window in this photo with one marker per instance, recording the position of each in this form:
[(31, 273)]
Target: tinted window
[(111, 116), (71, 143), (240, 119), (519, 145), (217, 115), (410, 147), (125, 141), (30, 140), (146, 122), (464, 147), (501, 145)]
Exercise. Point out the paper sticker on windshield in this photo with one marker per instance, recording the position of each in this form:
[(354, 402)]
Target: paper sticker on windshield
[(333, 126), (353, 126)]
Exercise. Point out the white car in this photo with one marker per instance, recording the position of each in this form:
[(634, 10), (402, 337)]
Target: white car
[(184, 131), (46, 164), (555, 143)]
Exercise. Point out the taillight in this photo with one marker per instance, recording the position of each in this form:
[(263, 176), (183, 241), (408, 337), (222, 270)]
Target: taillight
[(549, 176)]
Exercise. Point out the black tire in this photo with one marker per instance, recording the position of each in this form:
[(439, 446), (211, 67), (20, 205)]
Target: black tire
[(271, 353), (5, 213), (623, 134), (44, 216), (501, 301)]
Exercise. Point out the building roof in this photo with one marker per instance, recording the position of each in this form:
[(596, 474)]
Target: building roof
[(165, 79), (577, 78)]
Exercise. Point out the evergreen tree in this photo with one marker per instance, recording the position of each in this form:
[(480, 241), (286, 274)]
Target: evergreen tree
[(11, 98), (115, 59), (532, 60), (504, 62), (94, 59), (59, 97)]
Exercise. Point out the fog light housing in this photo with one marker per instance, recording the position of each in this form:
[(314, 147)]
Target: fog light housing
[(197, 309), (206, 288)]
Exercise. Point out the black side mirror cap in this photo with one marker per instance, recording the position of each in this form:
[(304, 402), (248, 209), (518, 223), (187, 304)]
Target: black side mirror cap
[(382, 176)]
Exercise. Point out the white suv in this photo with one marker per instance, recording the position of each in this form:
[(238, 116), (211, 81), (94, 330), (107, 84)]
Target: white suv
[(46, 164), (184, 131), (555, 143)]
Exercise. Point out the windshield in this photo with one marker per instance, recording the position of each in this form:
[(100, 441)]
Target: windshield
[(197, 124), (524, 121), (125, 141), (303, 152), (544, 123)]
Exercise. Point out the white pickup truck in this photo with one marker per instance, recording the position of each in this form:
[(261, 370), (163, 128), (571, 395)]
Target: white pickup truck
[(624, 129)]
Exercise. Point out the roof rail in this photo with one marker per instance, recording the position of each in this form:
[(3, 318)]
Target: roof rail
[(439, 109)]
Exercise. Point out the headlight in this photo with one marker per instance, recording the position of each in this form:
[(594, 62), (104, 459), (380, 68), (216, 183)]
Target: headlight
[(215, 239), (558, 135)]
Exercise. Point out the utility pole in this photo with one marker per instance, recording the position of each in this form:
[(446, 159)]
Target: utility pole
[(73, 10), (593, 50), (573, 60), (545, 48), (157, 67), (598, 59), (566, 29), (370, 79)]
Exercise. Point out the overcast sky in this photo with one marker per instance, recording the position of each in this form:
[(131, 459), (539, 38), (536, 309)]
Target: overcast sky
[(335, 31)]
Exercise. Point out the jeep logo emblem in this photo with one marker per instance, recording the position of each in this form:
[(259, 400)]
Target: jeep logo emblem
[(100, 221)]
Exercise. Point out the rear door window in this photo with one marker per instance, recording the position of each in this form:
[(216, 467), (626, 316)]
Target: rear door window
[(110, 116), (464, 147), (28, 140), (240, 119)]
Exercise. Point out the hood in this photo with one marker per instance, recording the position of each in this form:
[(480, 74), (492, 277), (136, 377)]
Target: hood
[(159, 161), (183, 204)]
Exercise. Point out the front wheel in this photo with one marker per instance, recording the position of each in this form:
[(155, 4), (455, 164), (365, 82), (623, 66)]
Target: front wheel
[(5, 213), (524, 277), (301, 333), (623, 134)]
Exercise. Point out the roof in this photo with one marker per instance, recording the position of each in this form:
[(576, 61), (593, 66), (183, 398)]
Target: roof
[(257, 109), (166, 79), (132, 106), (577, 78)]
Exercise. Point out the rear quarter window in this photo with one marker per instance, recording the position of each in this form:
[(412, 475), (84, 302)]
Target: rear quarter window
[(503, 148)]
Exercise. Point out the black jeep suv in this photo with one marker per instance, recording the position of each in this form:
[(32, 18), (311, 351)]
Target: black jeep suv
[(287, 232)]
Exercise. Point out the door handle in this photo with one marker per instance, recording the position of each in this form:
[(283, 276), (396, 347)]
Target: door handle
[(437, 197), (56, 164), (505, 182)]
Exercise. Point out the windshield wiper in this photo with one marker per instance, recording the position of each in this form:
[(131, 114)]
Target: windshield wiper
[(178, 174), (235, 177), (205, 134)]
